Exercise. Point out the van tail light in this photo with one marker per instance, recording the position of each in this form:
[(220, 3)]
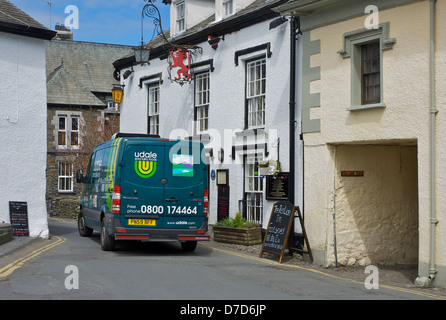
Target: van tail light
[(116, 200), (206, 202)]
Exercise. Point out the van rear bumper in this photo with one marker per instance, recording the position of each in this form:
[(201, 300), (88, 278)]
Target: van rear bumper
[(161, 235)]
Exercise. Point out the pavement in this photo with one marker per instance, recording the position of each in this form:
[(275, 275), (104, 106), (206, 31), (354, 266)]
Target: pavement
[(399, 277), (16, 244)]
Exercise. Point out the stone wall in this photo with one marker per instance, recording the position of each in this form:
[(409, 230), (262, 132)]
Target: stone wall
[(66, 204)]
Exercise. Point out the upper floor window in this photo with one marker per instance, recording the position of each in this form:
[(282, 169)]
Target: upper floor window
[(181, 23), (154, 109), (366, 47), (370, 73), (68, 131), (228, 7), (202, 90), (256, 92)]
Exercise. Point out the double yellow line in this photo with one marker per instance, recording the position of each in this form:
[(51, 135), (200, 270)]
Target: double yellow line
[(10, 268), (266, 261)]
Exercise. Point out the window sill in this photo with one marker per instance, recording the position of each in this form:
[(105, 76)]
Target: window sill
[(367, 106)]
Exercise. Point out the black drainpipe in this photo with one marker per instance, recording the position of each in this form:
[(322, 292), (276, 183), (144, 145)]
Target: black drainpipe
[(295, 30), (296, 239)]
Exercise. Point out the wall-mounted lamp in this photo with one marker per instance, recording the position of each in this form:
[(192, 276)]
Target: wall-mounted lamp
[(277, 22), (142, 54), (213, 41), (127, 74), (221, 155), (117, 92)]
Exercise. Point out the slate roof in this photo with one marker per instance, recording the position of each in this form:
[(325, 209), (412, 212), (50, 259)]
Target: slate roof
[(64, 88), (13, 20), (76, 70)]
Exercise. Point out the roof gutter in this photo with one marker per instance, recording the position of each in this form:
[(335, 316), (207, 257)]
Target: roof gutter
[(27, 31)]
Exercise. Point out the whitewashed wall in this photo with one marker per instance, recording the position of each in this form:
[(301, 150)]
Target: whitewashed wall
[(227, 104), (23, 127)]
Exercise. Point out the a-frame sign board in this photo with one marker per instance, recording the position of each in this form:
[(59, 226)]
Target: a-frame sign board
[(307, 243), (279, 227)]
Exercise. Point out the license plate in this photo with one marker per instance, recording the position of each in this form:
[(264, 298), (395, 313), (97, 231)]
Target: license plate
[(142, 222)]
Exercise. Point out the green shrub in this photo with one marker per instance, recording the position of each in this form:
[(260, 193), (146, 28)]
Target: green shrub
[(237, 222)]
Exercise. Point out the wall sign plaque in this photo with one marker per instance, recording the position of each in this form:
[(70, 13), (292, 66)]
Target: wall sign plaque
[(277, 188)]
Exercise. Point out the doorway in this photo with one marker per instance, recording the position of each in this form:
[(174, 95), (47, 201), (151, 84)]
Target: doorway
[(376, 192)]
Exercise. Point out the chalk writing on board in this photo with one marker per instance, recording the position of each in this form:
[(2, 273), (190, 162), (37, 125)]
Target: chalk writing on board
[(278, 228), (18, 214)]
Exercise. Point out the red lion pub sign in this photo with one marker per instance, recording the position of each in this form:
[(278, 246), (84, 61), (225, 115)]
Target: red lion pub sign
[(179, 65)]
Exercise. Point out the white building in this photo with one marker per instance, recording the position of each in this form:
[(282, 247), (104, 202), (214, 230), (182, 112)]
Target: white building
[(374, 169), (23, 116), (237, 102)]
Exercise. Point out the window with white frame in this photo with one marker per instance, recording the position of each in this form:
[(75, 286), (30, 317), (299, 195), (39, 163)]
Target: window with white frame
[(202, 91), (228, 7), (62, 131), (65, 177), (256, 92), (154, 109), (180, 11), (74, 131), (68, 131), (254, 190)]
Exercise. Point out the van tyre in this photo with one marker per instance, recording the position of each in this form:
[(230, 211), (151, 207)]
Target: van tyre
[(84, 231), (188, 246), (107, 242)]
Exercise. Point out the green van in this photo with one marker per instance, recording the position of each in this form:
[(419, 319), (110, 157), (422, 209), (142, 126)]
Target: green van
[(141, 187)]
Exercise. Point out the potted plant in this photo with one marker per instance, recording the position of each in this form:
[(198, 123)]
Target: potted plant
[(238, 231)]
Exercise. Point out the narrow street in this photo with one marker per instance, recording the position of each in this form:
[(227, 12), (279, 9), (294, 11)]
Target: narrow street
[(162, 271)]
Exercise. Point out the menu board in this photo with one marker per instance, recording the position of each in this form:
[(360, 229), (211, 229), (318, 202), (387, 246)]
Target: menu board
[(18, 214), (223, 202), (279, 227)]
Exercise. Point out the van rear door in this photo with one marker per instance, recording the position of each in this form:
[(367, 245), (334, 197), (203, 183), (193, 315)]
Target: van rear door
[(142, 190), (186, 176), (163, 184)]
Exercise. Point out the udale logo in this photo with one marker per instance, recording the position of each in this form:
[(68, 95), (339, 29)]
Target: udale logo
[(145, 164)]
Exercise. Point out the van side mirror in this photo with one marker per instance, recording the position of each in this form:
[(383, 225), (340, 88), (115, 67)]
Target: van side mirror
[(80, 176)]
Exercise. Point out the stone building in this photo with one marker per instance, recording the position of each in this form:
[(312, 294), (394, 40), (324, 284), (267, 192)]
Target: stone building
[(80, 111)]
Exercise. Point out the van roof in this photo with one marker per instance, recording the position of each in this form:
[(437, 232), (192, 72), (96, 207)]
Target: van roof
[(134, 135)]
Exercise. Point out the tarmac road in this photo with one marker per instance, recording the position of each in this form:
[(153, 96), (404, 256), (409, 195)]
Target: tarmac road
[(70, 267)]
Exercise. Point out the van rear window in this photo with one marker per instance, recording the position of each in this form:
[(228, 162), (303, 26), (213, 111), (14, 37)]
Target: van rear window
[(182, 165)]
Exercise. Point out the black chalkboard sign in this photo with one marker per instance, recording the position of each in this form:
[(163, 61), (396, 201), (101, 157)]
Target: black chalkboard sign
[(279, 226), (18, 214)]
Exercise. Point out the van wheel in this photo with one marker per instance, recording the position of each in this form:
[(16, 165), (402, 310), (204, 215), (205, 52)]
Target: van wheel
[(84, 231), (107, 242), (189, 246)]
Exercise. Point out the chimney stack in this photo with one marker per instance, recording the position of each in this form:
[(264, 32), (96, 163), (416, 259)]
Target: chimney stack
[(63, 33)]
